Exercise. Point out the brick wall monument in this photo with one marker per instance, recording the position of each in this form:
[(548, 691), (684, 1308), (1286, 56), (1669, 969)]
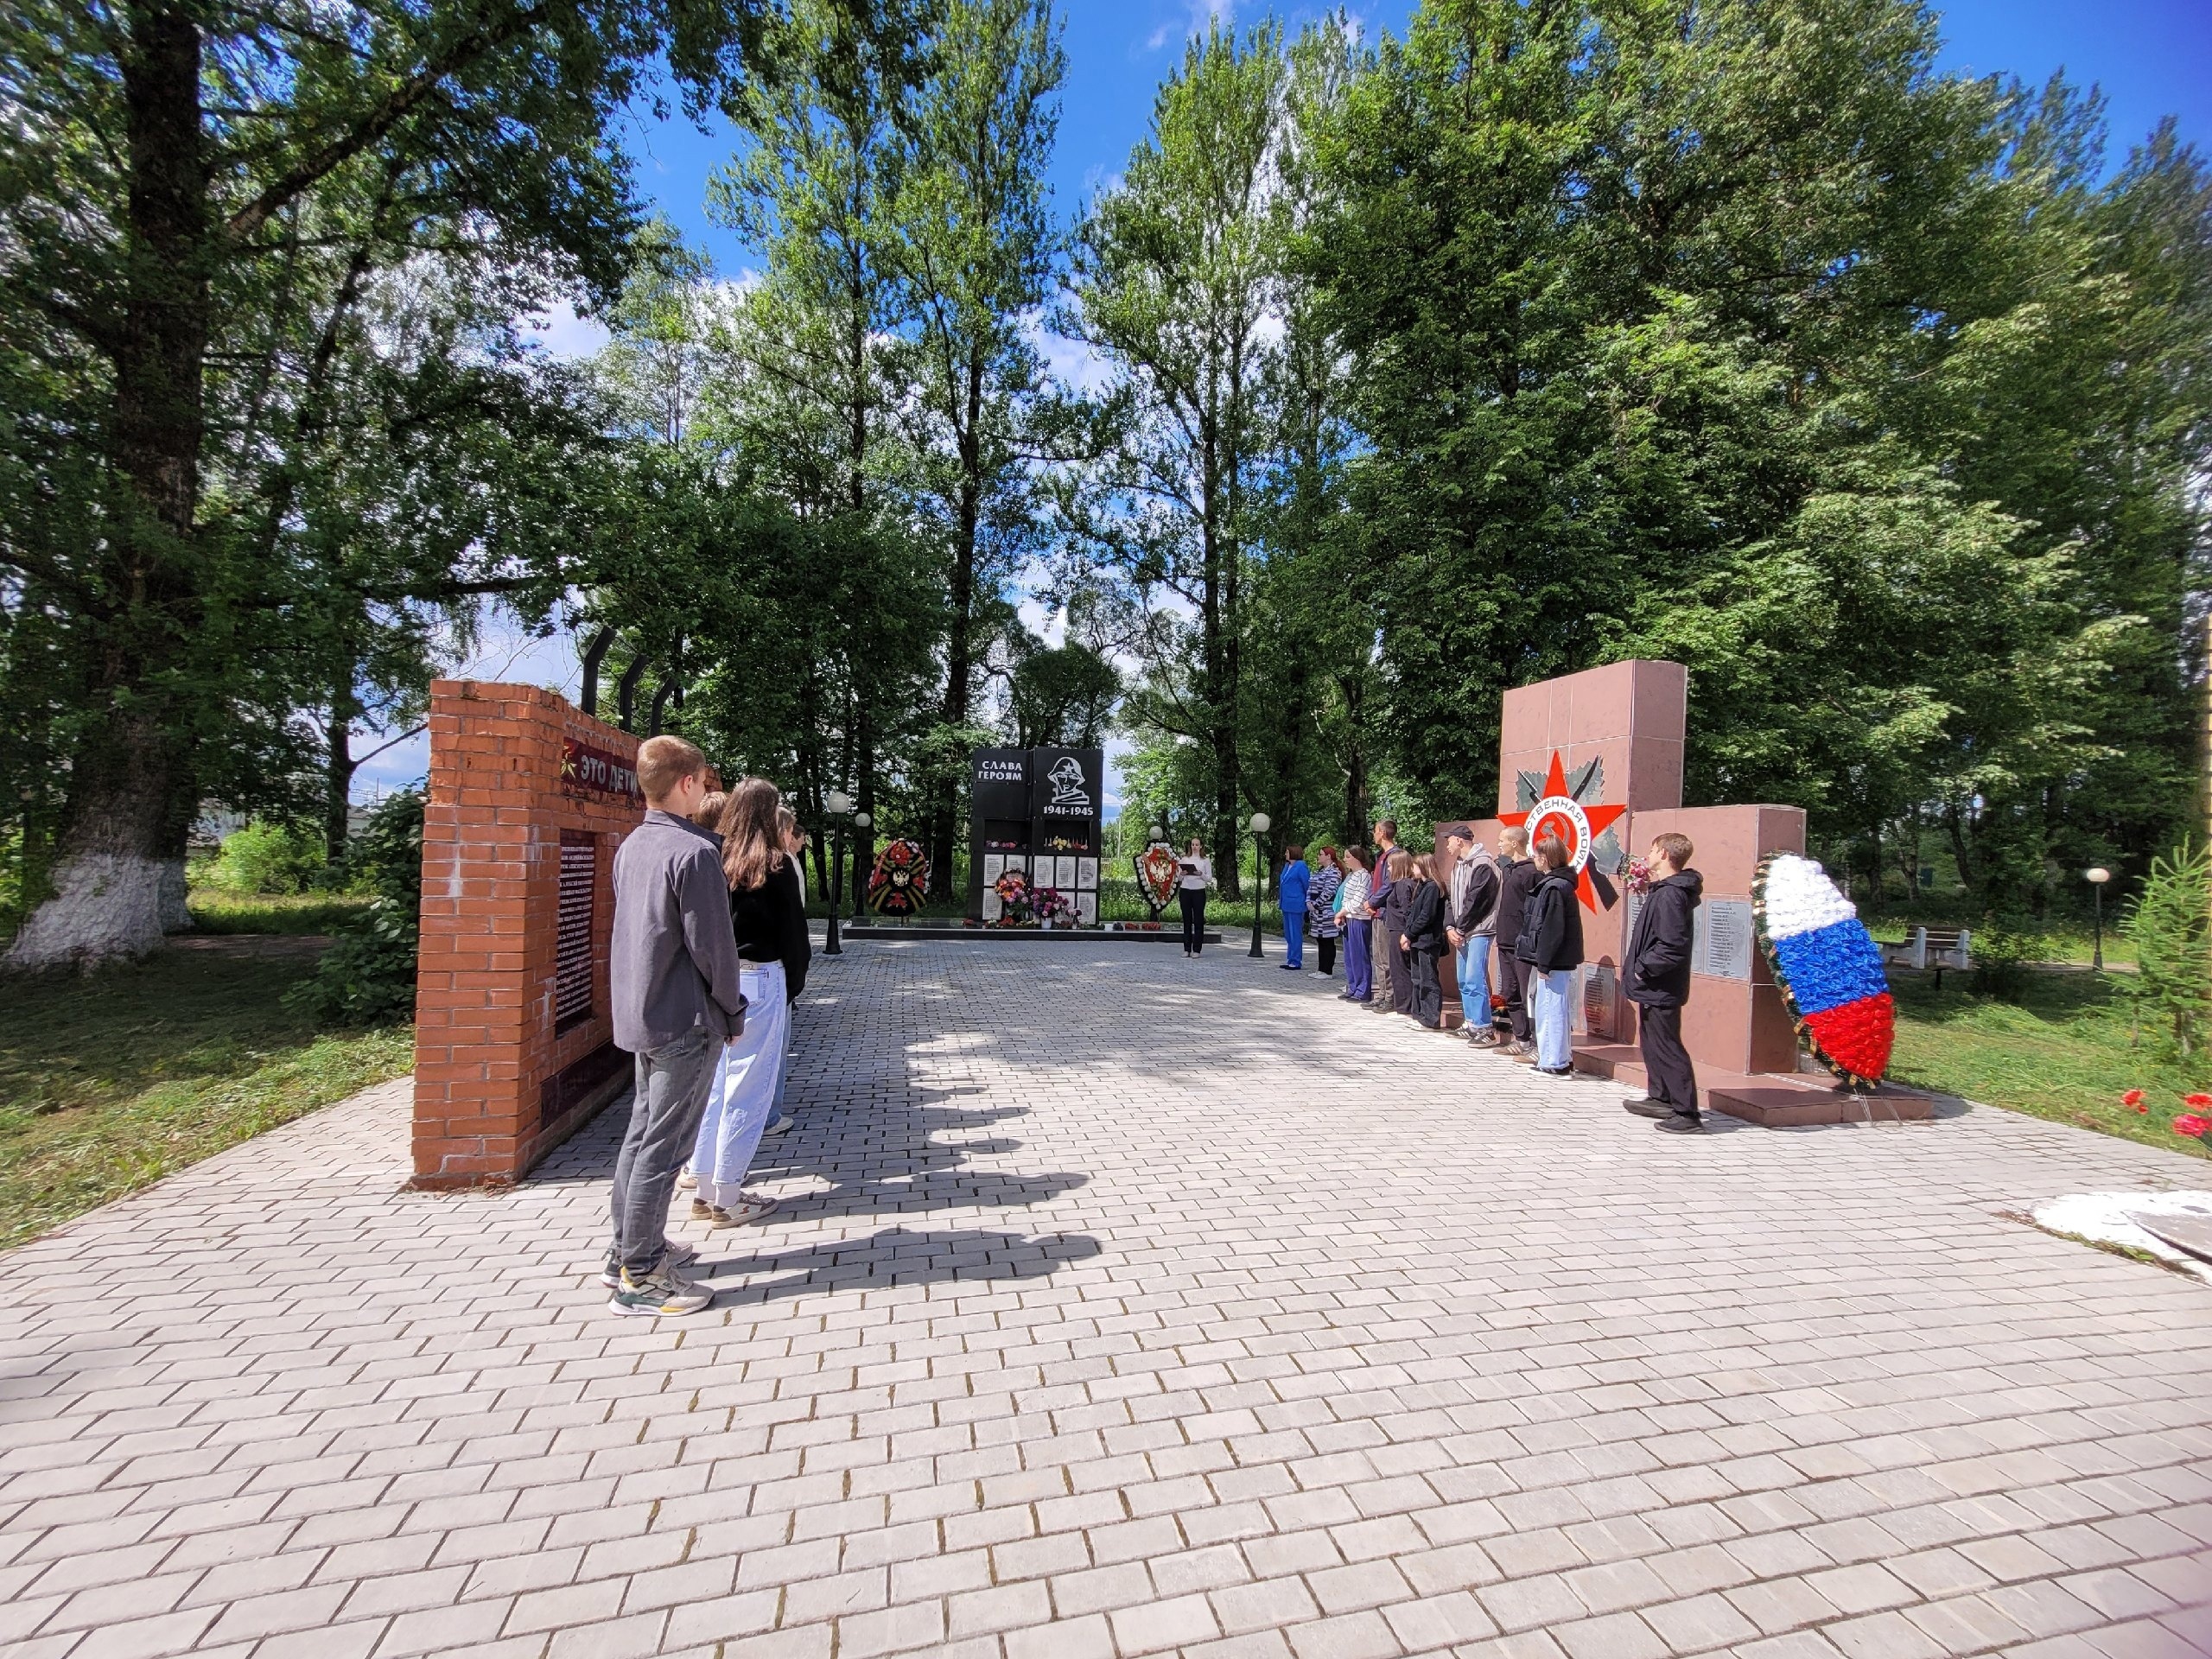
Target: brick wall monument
[(528, 798)]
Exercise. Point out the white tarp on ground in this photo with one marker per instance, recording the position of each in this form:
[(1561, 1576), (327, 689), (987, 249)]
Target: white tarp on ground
[(2108, 1217)]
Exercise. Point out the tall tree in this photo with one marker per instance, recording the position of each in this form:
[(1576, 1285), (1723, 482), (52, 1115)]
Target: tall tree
[(828, 143), (153, 176), (1176, 282), (975, 250)]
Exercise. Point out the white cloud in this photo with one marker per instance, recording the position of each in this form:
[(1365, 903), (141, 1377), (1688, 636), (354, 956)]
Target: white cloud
[(561, 333), (1198, 14)]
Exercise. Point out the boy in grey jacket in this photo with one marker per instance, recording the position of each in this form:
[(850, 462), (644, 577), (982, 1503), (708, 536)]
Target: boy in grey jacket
[(673, 975)]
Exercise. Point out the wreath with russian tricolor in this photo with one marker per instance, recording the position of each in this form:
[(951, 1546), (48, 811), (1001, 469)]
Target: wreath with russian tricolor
[(1828, 966)]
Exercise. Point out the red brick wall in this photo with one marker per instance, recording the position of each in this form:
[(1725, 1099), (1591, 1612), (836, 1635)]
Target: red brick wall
[(494, 1088)]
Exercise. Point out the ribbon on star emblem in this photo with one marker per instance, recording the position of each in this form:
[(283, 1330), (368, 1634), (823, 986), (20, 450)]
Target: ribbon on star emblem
[(1568, 807)]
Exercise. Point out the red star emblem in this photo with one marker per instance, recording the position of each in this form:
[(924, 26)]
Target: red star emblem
[(1558, 813)]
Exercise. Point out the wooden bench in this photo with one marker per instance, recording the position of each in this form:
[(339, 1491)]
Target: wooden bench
[(1933, 947)]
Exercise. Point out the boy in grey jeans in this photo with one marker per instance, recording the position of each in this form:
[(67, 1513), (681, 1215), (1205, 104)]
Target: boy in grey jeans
[(672, 971)]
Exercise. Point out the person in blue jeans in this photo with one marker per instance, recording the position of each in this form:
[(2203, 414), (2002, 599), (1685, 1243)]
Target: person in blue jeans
[(1351, 914), (1470, 921), (1292, 887), (1551, 944)]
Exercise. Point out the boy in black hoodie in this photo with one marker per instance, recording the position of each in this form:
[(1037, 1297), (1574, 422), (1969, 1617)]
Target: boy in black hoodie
[(1657, 978)]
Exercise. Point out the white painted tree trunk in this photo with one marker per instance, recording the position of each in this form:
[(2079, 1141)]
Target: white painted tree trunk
[(104, 905), (176, 911)]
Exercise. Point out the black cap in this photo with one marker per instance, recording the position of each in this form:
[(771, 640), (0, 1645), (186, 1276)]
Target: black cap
[(1466, 832)]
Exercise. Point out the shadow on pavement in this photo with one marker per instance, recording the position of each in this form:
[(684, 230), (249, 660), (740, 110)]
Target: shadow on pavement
[(895, 1255)]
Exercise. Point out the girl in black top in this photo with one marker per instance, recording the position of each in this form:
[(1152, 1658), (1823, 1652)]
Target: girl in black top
[(1421, 906)]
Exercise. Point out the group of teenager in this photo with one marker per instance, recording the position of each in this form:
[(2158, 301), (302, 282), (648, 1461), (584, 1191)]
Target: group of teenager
[(1397, 922), (709, 951)]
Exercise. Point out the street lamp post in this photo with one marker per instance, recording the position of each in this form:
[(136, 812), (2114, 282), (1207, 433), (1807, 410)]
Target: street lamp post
[(2096, 879), (1260, 822), (861, 822), (836, 803)]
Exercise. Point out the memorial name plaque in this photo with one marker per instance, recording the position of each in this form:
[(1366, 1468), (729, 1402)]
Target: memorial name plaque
[(572, 948), (1722, 947), (1599, 987)]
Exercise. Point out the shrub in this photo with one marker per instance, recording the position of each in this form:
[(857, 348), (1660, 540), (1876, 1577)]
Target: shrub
[(367, 977), (2000, 957), (2171, 923), (266, 858)]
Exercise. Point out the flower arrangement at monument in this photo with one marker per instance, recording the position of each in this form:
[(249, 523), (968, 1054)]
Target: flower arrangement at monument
[(1828, 966), (1017, 902), (1637, 882), (1158, 872), (1053, 907), (901, 882)]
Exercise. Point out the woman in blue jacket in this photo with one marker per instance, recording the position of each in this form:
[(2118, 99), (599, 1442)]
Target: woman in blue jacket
[(1292, 887)]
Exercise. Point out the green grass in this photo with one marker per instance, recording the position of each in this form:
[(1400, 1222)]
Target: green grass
[(215, 912), (2062, 1053), (110, 1083)]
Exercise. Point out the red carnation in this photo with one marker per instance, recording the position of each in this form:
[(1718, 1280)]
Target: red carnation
[(2197, 1103), (2134, 1097), (2192, 1126)]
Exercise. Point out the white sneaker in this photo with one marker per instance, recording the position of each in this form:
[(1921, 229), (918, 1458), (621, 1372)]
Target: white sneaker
[(687, 1182), (747, 1208), (779, 1125)]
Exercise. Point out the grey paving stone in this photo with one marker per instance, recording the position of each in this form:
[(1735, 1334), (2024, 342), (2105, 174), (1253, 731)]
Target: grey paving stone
[(1098, 1320)]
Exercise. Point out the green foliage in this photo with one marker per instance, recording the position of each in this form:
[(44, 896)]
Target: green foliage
[(266, 858), (2170, 922), (269, 408), (2000, 957), (367, 976)]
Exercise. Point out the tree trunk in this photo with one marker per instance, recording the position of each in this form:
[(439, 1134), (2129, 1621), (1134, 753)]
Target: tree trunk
[(959, 651), (339, 768), (131, 770), (1356, 802)]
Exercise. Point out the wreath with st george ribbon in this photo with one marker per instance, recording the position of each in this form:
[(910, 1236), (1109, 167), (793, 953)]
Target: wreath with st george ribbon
[(901, 882)]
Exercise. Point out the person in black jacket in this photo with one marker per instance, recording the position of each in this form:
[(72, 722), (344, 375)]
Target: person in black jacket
[(1551, 945), (1517, 876), (1420, 904), (1656, 976)]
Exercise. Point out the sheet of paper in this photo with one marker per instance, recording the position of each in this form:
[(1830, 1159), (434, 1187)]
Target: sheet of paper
[(1086, 873)]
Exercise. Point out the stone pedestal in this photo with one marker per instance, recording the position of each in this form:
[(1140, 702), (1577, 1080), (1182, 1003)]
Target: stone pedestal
[(1598, 756), (528, 798)]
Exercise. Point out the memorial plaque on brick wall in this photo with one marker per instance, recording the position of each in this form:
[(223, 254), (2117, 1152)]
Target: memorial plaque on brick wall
[(1722, 946), (572, 949)]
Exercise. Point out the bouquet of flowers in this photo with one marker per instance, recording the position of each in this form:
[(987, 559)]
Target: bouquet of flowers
[(900, 881), (1053, 907), (1639, 876), (1017, 901)]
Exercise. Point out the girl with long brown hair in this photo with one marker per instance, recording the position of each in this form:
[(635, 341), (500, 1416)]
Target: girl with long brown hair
[(769, 917)]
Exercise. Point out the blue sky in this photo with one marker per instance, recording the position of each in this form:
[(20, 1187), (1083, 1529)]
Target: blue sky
[(2151, 57)]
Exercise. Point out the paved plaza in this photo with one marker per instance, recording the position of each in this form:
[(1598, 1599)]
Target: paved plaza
[(1120, 1305)]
